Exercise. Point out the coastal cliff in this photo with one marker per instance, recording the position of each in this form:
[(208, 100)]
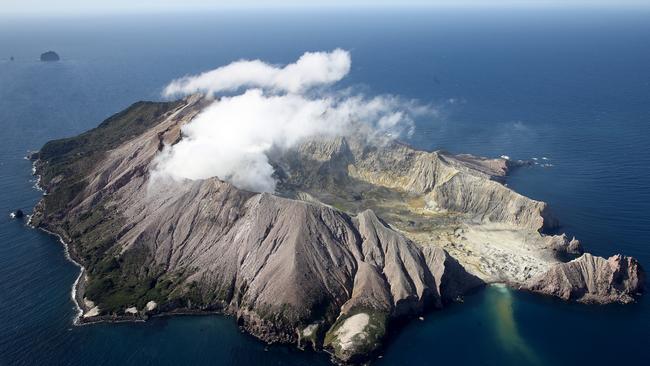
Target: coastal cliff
[(357, 234), (591, 279)]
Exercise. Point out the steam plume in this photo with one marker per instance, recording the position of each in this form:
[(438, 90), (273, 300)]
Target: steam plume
[(311, 69), (231, 137)]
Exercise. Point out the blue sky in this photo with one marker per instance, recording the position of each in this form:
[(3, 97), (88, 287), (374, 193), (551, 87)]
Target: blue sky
[(134, 6)]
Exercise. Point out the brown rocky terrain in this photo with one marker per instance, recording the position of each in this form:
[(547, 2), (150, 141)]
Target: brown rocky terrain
[(591, 279), (358, 234)]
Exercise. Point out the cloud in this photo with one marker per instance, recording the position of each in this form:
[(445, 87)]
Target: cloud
[(231, 138), (311, 69)]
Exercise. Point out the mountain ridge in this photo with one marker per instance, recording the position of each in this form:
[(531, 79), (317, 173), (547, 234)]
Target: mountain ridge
[(359, 234)]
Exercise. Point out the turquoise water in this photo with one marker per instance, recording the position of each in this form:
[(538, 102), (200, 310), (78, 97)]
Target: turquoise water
[(570, 86)]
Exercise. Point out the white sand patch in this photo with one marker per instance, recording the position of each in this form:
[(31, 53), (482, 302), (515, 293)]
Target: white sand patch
[(351, 327), (131, 310), (92, 312), (151, 305), (309, 330)]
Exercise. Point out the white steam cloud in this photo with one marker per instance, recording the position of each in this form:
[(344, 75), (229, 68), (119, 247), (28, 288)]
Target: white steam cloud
[(231, 138), (311, 69)]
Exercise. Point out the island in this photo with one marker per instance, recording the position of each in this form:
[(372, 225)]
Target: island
[(49, 56), (356, 236)]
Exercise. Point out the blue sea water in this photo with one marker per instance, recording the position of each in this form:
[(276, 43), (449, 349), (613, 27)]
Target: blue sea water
[(570, 85)]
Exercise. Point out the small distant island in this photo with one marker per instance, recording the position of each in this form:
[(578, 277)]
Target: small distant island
[(50, 56)]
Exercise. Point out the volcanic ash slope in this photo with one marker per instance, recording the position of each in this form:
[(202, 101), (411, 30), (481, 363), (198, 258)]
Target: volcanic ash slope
[(357, 234)]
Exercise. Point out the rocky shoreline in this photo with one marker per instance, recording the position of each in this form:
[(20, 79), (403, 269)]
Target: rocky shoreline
[(77, 296), (75, 291), (357, 237)]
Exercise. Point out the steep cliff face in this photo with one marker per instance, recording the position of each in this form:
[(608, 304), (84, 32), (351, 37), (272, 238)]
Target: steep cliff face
[(462, 184), (359, 233), (459, 203), (593, 279)]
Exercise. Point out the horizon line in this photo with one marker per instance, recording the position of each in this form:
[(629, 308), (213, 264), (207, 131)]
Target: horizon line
[(181, 9)]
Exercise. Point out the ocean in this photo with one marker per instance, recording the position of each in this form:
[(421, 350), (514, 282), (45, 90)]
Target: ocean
[(570, 87)]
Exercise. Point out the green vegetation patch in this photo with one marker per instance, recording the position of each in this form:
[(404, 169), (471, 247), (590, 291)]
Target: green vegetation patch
[(120, 282), (115, 280), (363, 343)]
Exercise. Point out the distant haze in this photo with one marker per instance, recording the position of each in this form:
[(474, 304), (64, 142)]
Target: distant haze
[(63, 7)]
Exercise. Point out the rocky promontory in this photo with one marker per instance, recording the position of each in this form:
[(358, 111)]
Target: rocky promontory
[(356, 235), (591, 279)]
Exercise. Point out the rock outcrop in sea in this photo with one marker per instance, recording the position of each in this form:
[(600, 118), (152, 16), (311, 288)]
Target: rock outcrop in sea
[(357, 235), (18, 214), (50, 56)]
